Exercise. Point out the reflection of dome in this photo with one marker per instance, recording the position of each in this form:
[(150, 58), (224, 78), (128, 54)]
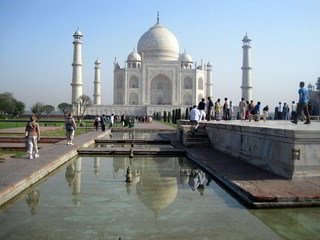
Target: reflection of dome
[(158, 193), (158, 43), (134, 56), (158, 186)]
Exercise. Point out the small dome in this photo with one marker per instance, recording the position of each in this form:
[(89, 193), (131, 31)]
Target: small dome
[(134, 56), (77, 33), (158, 43), (186, 58), (97, 62)]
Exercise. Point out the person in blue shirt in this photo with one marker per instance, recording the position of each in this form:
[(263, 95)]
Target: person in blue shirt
[(255, 112), (302, 104)]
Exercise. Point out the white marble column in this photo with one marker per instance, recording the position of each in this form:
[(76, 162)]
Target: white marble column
[(97, 83), (77, 84), (246, 70)]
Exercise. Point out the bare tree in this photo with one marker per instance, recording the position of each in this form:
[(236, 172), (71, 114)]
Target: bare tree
[(83, 103)]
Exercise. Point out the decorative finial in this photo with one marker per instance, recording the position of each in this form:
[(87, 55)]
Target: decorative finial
[(158, 19), (77, 28), (185, 51), (134, 49)]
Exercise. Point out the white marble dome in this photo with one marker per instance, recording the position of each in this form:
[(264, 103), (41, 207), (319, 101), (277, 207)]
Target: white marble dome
[(134, 56), (158, 43), (186, 58)]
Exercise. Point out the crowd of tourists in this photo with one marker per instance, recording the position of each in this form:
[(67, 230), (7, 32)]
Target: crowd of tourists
[(207, 110)]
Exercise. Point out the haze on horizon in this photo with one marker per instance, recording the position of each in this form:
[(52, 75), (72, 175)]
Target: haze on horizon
[(36, 43)]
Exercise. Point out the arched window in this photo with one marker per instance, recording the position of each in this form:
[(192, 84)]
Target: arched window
[(187, 99), (119, 100), (133, 82), (161, 90), (187, 83), (133, 99), (200, 84)]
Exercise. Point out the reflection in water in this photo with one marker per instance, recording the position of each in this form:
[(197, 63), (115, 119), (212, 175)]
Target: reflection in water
[(32, 199), (132, 135), (158, 185), (70, 174), (161, 205), (73, 177), (190, 175), (299, 223), (96, 165)]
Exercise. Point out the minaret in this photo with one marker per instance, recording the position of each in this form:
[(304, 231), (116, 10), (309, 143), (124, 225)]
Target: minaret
[(97, 84), (246, 70), (77, 83), (209, 80)]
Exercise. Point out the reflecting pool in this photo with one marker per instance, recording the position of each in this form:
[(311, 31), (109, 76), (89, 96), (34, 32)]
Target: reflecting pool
[(133, 135), (128, 145), (168, 198)]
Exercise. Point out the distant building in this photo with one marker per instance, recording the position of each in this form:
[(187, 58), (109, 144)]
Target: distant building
[(158, 75), (155, 78)]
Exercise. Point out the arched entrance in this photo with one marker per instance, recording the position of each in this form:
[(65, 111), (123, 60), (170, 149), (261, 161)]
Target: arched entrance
[(161, 90)]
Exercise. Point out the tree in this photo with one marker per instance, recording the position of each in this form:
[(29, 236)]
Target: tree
[(20, 107), (37, 109), (165, 116), (83, 103), (48, 109), (65, 108), (9, 105)]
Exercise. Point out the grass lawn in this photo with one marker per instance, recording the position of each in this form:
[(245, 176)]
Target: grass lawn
[(169, 123)]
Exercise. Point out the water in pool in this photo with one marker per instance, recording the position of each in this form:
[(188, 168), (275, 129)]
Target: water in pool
[(168, 198), (133, 135), (128, 145)]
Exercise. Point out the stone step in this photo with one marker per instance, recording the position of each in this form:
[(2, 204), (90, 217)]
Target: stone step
[(197, 144)]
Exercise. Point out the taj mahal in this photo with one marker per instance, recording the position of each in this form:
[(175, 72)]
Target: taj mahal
[(155, 78)]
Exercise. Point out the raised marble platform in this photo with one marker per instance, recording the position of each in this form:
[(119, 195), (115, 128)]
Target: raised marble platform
[(280, 147)]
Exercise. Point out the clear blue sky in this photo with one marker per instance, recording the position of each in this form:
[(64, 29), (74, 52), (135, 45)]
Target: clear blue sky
[(36, 43)]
